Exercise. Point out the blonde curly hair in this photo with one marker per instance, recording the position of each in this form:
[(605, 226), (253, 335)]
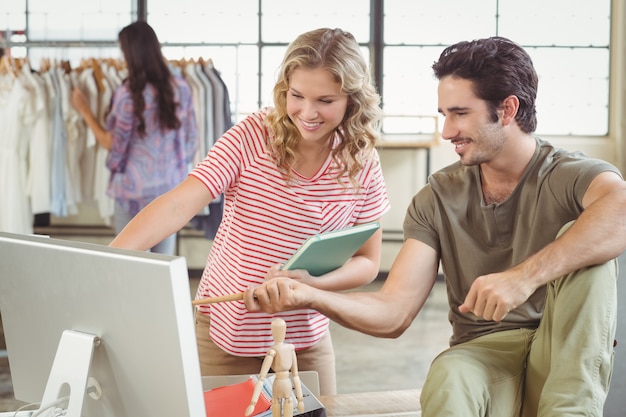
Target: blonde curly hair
[(337, 52)]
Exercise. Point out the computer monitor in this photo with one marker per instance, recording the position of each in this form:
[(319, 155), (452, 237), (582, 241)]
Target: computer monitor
[(91, 321)]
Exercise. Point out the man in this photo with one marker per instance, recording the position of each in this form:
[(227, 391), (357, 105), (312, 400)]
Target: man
[(533, 315)]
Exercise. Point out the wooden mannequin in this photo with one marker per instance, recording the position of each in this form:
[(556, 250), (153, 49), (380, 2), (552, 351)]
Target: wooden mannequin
[(281, 358)]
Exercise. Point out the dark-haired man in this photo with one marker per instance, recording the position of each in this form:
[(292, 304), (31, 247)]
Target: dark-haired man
[(526, 234)]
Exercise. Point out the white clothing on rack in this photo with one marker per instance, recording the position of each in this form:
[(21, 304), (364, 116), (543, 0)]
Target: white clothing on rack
[(15, 113)]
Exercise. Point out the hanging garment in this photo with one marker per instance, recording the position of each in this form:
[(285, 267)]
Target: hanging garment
[(16, 112)]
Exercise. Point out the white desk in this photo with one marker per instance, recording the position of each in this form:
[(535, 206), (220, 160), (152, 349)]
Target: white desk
[(405, 403)]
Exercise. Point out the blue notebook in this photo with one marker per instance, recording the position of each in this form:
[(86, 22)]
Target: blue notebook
[(325, 252)]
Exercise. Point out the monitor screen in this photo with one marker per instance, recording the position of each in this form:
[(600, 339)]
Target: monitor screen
[(136, 305)]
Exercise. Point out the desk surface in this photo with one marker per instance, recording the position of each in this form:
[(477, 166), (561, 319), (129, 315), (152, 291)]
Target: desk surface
[(403, 403)]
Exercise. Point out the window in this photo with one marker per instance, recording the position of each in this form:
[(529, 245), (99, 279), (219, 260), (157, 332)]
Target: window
[(572, 64), (246, 40), (90, 32), (247, 43)]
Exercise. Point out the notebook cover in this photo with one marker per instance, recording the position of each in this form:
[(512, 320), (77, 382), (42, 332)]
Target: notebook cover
[(232, 400), (328, 251)]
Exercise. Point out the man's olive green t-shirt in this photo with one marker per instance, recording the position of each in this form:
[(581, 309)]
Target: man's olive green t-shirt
[(474, 239)]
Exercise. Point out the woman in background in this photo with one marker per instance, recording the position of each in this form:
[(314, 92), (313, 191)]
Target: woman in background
[(306, 166), (151, 131)]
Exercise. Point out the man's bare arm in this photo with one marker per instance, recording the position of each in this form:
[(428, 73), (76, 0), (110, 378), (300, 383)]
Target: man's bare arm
[(384, 313)]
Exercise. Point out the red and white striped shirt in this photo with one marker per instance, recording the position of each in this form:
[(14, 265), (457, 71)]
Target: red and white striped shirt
[(264, 221)]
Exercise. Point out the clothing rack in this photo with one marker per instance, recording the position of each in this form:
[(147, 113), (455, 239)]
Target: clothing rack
[(84, 171)]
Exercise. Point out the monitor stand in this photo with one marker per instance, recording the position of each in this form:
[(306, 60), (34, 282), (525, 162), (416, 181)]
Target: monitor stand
[(70, 369)]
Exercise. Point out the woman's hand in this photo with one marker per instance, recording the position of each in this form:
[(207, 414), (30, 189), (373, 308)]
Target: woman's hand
[(79, 101), (299, 274)]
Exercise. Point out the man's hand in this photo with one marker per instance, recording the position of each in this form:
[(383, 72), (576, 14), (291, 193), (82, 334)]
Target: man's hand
[(493, 296), (277, 294)]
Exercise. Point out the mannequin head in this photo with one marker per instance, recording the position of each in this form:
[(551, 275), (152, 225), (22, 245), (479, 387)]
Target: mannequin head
[(279, 328)]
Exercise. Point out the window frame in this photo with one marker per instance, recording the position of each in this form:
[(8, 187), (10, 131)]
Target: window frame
[(139, 9)]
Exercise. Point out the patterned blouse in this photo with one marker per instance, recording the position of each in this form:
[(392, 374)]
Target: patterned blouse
[(142, 168)]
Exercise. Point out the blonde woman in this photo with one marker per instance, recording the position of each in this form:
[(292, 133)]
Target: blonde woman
[(307, 165)]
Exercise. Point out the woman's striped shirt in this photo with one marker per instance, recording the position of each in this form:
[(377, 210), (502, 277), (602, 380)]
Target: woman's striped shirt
[(265, 220)]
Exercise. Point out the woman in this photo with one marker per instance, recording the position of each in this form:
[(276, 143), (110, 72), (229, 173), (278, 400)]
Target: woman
[(306, 166), (151, 130)]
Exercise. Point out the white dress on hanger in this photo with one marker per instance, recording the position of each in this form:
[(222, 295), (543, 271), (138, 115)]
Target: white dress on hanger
[(15, 110), (74, 146), (106, 204), (38, 181), (85, 82)]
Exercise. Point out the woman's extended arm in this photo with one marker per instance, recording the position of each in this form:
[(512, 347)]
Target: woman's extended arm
[(164, 216), (79, 101)]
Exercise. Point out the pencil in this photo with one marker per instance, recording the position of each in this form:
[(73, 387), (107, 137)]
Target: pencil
[(222, 298)]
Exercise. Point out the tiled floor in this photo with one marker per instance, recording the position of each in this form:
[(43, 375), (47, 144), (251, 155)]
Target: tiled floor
[(364, 363)]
